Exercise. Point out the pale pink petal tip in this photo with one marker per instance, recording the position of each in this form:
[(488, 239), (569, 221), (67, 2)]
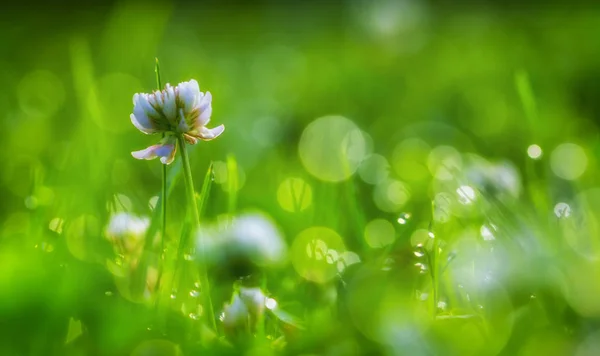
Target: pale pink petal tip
[(209, 134), (165, 152)]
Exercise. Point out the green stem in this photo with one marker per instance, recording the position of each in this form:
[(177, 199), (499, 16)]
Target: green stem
[(164, 176), (196, 216), (163, 227)]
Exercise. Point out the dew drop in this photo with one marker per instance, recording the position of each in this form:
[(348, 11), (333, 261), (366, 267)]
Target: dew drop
[(562, 210), (534, 151), (119, 260), (194, 293), (194, 316), (422, 267), (403, 219), (108, 293), (31, 202), (270, 303), (466, 194), (487, 232), (419, 254), (387, 264), (56, 225)]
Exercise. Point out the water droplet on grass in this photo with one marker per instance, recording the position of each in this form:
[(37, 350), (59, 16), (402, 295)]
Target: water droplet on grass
[(403, 219), (466, 194), (534, 151), (270, 303), (562, 210), (194, 316)]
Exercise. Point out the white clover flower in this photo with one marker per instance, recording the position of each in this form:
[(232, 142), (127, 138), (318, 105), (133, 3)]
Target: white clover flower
[(251, 237), (127, 229), (245, 309), (125, 223), (501, 179), (254, 298), (181, 110), (256, 236), (236, 313)]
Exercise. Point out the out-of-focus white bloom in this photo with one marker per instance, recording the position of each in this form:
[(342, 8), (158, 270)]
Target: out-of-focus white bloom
[(254, 299), (127, 230), (127, 233), (251, 236), (180, 110), (257, 236), (236, 313), (247, 305), (501, 179)]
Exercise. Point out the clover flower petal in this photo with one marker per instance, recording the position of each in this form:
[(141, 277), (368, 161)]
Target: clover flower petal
[(165, 150), (202, 133), (189, 93), (169, 107), (141, 114), (204, 109)]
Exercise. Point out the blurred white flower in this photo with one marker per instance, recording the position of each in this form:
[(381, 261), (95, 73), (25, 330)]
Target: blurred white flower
[(257, 236), (251, 236), (236, 313), (500, 179), (245, 308), (127, 230), (181, 110), (254, 299), (127, 233)]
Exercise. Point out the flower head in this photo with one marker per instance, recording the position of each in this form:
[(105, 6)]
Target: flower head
[(181, 110), (250, 237)]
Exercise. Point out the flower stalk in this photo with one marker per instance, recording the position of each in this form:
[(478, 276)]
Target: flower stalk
[(163, 212), (189, 185)]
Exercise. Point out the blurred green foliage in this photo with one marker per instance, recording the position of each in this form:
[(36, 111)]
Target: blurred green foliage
[(397, 134)]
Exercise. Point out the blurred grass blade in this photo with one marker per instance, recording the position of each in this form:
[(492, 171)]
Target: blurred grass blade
[(288, 318), (527, 99), (232, 182), (74, 330)]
